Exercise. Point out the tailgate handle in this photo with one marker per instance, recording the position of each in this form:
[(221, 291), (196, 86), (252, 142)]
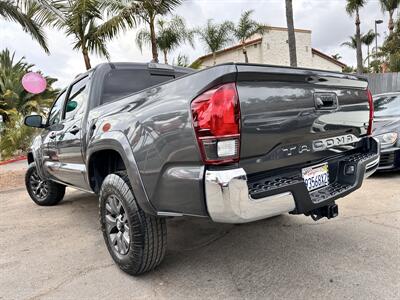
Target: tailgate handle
[(325, 101)]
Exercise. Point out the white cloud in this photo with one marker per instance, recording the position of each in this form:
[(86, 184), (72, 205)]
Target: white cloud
[(326, 18)]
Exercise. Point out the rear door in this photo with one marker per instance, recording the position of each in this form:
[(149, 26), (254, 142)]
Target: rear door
[(69, 140)]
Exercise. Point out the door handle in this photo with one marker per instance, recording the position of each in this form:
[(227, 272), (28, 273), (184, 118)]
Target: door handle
[(74, 130), (52, 135)]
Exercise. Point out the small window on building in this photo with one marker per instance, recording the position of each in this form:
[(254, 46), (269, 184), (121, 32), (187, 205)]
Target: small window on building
[(306, 48), (255, 46), (268, 46)]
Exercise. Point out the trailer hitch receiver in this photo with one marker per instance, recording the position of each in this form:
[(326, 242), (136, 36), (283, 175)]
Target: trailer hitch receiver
[(329, 212)]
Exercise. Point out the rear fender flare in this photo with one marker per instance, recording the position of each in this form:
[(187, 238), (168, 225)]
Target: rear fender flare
[(117, 141)]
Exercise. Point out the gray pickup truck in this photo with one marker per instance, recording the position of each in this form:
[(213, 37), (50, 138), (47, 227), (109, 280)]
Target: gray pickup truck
[(234, 143)]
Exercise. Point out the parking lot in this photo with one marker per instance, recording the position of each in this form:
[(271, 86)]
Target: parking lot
[(58, 253)]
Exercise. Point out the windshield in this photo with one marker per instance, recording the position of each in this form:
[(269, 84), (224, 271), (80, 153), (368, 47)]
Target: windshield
[(388, 105)]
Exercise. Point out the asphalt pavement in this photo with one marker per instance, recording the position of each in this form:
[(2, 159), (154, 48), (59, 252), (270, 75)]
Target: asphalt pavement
[(59, 253)]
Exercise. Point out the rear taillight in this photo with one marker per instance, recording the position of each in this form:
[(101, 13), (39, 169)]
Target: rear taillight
[(371, 112), (216, 121)]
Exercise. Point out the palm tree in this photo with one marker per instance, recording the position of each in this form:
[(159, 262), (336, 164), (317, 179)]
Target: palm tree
[(291, 34), (390, 50), (170, 34), (390, 6), (215, 36), (147, 11), (13, 97), (367, 39), (245, 29), (29, 15), (85, 21), (352, 43), (353, 7), (182, 61)]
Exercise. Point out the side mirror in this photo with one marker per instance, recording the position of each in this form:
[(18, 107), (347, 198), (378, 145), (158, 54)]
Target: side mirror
[(71, 105), (34, 121)]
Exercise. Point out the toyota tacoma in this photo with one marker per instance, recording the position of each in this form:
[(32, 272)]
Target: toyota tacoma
[(233, 143)]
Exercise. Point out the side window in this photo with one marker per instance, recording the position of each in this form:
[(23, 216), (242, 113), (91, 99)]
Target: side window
[(119, 83), (77, 99), (56, 110)]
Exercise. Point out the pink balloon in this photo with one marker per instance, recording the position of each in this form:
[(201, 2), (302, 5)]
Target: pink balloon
[(34, 83)]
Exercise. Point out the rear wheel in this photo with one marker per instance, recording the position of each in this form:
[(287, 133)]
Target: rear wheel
[(136, 241), (42, 192)]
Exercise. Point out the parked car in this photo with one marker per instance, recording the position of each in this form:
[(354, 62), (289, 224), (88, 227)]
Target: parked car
[(387, 130), (233, 143)]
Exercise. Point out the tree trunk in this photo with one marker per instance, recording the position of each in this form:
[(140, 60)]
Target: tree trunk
[(153, 41), (246, 58), (165, 57), (215, 58), (86, 59), (358, 40), (391, 23), (291, 34)]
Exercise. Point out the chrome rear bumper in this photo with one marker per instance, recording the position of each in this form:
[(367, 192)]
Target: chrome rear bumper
[(228, 199)]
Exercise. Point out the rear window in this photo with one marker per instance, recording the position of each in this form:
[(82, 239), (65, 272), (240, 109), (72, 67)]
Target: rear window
[(387, 105), (120, 83)]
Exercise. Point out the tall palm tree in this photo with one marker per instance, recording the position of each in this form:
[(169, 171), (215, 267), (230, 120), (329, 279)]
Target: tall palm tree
[(353, 8), (215, 36), (245, 29), (390, 6), (169, 35), (29, 15), (85, 21), (291, 33), (367, 39), (147, 11)]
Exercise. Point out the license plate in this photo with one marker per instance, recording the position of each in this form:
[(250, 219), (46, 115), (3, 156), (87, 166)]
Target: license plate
[(316, 176)]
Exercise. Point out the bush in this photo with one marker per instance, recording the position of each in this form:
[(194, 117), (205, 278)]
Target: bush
[(16, 138)]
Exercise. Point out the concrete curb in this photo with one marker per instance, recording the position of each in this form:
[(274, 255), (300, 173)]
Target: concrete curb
[(9, 161)]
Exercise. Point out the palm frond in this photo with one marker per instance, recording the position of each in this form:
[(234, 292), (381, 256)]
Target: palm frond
[(10, 11)]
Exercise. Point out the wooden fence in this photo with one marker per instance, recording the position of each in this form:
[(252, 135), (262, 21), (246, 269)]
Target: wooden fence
[(384, 82)]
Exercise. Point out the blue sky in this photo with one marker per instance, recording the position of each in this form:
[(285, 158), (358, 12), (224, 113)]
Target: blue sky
[(327, 19)]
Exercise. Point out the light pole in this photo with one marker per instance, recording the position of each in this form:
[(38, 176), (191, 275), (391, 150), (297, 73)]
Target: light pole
[(376, 34)]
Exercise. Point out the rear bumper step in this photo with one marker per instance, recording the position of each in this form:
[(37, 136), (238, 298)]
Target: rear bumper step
[(232, 197)]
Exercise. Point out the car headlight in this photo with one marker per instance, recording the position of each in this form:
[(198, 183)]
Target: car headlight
[(388, 139)]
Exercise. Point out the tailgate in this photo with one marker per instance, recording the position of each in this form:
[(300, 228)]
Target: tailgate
[(298, 116)]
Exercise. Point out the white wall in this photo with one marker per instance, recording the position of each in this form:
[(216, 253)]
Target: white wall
[(236, 55), (324, 64), (274, 50)]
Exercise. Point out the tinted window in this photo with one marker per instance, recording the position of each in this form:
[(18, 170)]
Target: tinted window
[(119, 83), (77, 99), (387, 105), (56, 110)]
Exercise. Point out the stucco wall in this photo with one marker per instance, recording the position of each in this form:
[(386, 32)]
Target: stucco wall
[(324, 64), (236, 55), (274, 50)]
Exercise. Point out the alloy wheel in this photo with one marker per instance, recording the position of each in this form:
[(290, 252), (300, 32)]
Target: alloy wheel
[(39, 187), (117, 226)]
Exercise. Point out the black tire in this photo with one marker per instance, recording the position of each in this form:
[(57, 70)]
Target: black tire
[(52, 192), (147, 234)]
